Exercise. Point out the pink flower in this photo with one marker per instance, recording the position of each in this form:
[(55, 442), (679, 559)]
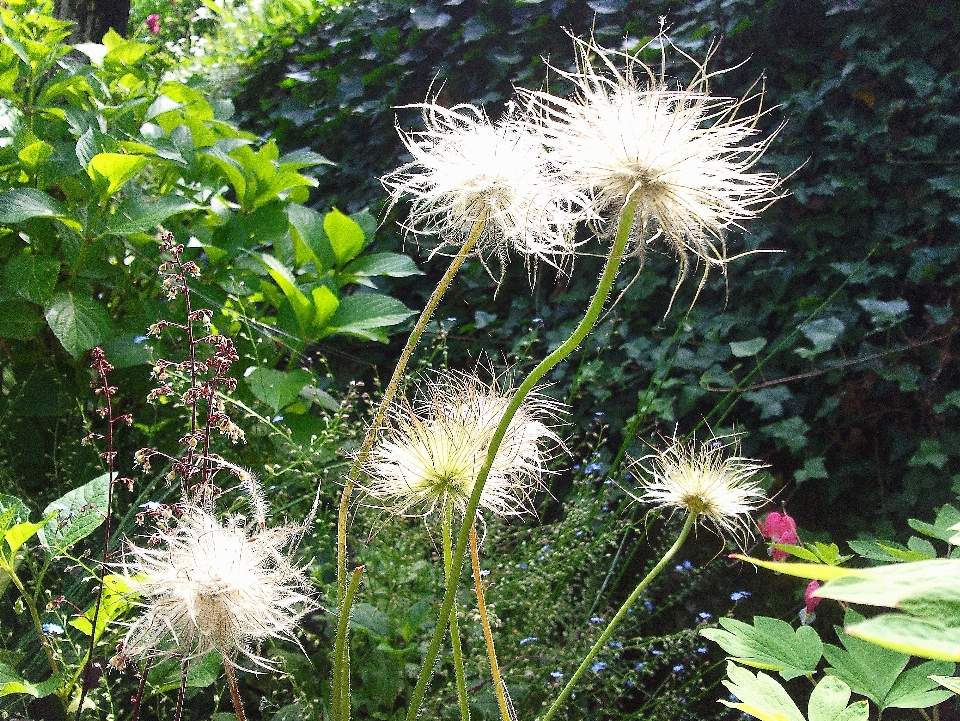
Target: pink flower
[(779, 528), (153, 23), (809, 599)]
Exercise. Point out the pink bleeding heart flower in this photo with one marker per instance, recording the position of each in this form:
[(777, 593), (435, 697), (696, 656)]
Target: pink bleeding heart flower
[(153, 24), (807, 616), (779, 528)]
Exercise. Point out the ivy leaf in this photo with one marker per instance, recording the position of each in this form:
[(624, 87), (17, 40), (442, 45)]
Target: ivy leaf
[(769, 644), (747, 348), (80, 323)]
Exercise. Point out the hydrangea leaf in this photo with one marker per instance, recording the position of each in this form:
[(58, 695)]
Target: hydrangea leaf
[(769, 644)]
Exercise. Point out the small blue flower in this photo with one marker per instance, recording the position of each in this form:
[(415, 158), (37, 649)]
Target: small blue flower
[(678, 668), (628, 683), (528, 639), (704, 615), (140, 339), (277, 419), (656, 651), (608, 482), (616, 644), (150, 506), (592, 468), (605, 508), (556, 674), (578, 533), (52, 628), (628, 476), (538, 323), (521, 565), (702, 649), (540, 557), (598, 666), (452, 319), (546, 548), (596, 619), (739, 595), (648, 605), (682, 699), (639, 667)]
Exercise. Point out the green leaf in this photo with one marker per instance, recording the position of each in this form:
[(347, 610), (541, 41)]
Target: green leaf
[(19, 319), (136, 216), (80, 323), (165, 676), (114, 603), (326, 304), (32, 276), (747, 348), (109, 171), (302, 306), (823, 332), (915, 689), (759, 696), (19, 534), (942, 527), (35, 153), (345, 235), (11, 683), (828, 702), (769, 644), (868, 669), (883, 312), (909, 635), (394, 265), (820, 572), (812, 468), (277, 389), (76, 514), (950, 682), (21, 204), (363, 314), (929, 454), (371, 619), (308, 230)]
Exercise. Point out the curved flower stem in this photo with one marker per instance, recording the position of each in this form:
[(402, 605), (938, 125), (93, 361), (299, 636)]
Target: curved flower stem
[(614, 622), (341, 659), (498, 684), (341, 652), (580, 332), (454, 626), (234, 691)]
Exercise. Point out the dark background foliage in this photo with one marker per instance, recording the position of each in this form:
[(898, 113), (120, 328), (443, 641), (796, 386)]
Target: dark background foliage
[(839, 349)]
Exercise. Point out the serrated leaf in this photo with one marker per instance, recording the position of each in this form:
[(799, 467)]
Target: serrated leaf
[(32, 276), (769, 644), (21, 204), (326, 304), (371, 619), (138, 216), (11, 683), (363, 313), (76, 514), (110, 171), (277, 389), (828, 702), (80, 323), (302, 306), (394, 265), (308, 226), (760, 696), (19, 319), (345, 235)]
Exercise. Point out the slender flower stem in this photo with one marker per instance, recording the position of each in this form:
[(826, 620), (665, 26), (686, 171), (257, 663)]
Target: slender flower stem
[(341, 657), (184, 668), (446, 523), (498, 684), (580, 332), (234, 691), (341, 651), (614, 622), (138, 699)]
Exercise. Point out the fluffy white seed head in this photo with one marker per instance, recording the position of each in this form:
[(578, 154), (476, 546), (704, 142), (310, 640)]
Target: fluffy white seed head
[(208, 584), (432, 450), (708, 480), (468, 171), (681, 155)]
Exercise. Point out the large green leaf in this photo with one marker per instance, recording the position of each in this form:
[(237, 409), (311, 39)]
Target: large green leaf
[(137, 216), (346, 236), (829, 699), (76, 514), (114, 602), (32, 276), (109, 171), (302, 306), (308, 231), (277, 389), (19, 319), (21, 204), (394, 265), (759, 696), (80, 323), (907, 634), (365, 314), (769, 644), (11, 683)]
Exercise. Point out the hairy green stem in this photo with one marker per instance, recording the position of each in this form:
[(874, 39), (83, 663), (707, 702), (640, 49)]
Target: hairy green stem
[(454, 625), (582, 330), (615, 621), (498, 685), (341, 650), (341, 658)]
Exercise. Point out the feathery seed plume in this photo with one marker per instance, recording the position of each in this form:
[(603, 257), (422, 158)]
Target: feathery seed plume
[(432, 450)]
